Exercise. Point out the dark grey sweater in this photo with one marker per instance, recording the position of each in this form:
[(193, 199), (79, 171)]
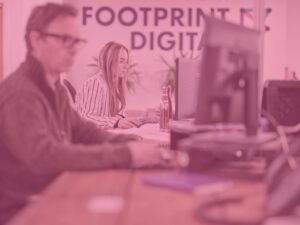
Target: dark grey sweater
[(42, 136)]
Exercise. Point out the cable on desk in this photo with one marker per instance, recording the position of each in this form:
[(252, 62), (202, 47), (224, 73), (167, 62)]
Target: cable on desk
[(202, 212), (281, 131), (286, 158)]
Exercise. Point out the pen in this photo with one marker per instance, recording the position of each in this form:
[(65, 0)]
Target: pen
[(134, 123)]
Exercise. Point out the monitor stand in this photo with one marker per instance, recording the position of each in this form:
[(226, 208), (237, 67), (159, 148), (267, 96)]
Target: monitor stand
[(180, 129), (215, 149), (219, 139)]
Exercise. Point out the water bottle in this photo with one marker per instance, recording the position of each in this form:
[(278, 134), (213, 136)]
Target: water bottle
[(170, 102), (165, 109)]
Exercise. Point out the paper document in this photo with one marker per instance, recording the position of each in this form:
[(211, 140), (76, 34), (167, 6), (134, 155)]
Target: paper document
[(149, 131)]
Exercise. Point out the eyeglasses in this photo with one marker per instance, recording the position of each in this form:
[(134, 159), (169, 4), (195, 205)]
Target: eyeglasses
[(67, 40)]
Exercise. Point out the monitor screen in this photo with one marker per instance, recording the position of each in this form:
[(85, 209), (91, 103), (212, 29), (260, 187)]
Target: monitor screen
[(187, 79), (228, 86)]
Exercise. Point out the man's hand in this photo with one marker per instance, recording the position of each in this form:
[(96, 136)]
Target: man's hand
[(151, 155)]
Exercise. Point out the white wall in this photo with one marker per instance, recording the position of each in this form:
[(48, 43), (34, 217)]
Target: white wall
[(282, 49), (293, 36), (275, 40), (15, 15)]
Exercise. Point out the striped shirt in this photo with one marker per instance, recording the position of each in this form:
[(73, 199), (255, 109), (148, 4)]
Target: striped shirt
[(92, 102)]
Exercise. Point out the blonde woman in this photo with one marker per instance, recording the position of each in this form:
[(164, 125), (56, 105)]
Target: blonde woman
[(102, 97)]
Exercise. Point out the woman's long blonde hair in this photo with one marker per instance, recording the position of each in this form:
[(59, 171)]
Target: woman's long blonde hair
[(108, 61)]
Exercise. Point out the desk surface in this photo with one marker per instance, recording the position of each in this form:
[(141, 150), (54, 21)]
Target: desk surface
[(121, 197)]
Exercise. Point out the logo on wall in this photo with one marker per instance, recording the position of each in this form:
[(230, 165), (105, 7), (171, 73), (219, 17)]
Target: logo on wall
[(247, 13), (179, 23), (176, 20)]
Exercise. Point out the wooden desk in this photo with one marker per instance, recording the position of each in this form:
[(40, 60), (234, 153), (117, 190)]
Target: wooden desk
[(66, 201)]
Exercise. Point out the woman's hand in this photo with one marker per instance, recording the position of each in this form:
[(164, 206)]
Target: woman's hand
[(126, 123)]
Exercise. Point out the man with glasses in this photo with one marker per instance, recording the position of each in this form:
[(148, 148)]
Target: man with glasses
[(40, 134)]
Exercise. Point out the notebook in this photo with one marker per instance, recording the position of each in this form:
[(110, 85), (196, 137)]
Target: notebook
[(189, 182)]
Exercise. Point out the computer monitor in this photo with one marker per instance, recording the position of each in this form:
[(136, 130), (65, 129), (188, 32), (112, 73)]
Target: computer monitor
[(187, 79), (228, 86)]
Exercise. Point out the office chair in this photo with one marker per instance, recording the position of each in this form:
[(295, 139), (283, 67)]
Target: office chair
[(70, 88)]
